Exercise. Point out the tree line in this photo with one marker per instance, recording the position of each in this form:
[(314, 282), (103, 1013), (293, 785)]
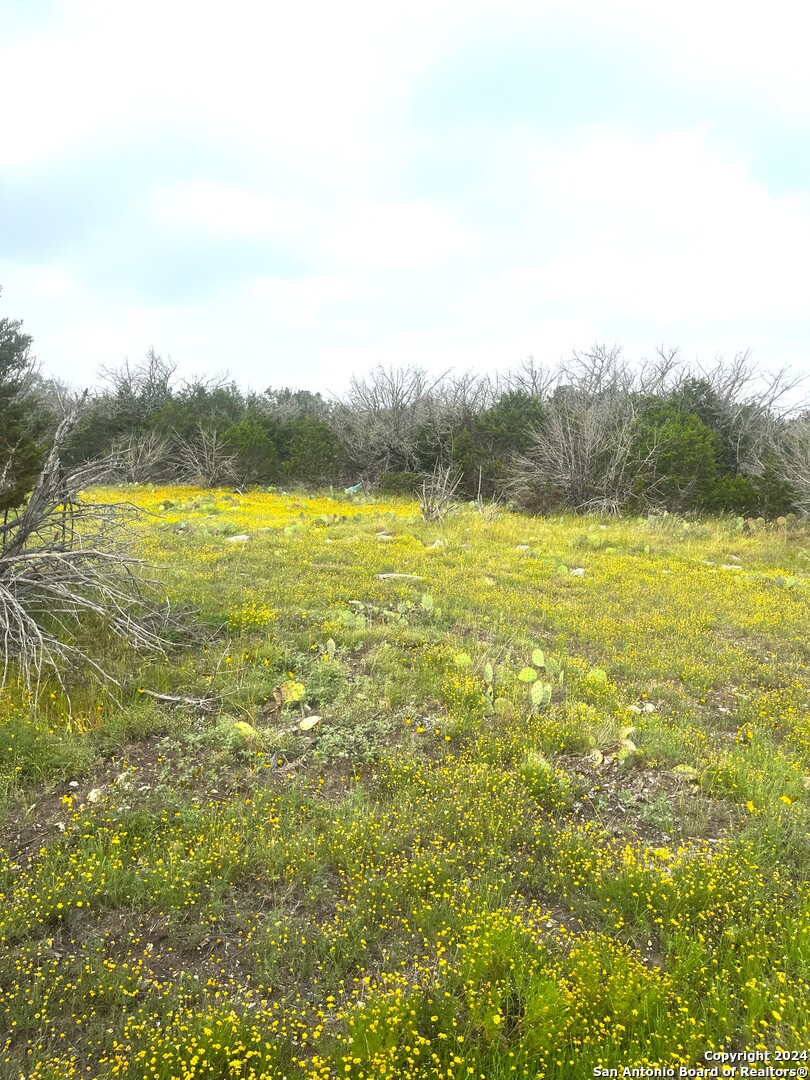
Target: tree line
[(594, 433)]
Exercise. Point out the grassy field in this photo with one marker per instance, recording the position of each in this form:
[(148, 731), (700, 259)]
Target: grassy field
[(538, 807)]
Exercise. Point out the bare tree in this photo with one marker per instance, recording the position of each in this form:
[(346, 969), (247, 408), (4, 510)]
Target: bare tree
[(205, 459), (598, 370), (285, 404), (752, 403), (140, 459), (532, 378), (55, 396), (793, 455), (661, 375), (458, 398), (601, 370), (137, 391), (436, 499), (380, 420), (64, 558), (585, 454), (587, 451)]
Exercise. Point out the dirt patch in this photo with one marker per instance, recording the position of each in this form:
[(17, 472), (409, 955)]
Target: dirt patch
[(38, 818), (650, 805)]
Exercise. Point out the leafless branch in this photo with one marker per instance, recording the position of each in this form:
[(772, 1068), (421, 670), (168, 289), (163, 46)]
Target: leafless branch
[(531, 378), (63, 559), (205, 459), (438, 492), (141, 459), (584, 451), (793, 455), (204, 704), (380, 420)]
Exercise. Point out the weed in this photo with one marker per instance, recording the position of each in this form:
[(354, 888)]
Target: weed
[(448, 809)]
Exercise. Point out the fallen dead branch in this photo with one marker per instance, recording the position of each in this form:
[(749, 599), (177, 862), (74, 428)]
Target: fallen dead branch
[(204, 704), (64, 558)]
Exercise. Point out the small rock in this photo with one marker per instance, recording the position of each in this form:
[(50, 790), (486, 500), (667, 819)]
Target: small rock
[(236, 539), (578, 571)]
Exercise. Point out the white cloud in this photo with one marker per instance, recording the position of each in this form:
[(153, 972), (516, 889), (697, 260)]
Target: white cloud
[(290, 308), (321, 260), (753, 49), (398, 236), (666, 228), (759, 49), (296, 81), (204, 207), (628, 240)]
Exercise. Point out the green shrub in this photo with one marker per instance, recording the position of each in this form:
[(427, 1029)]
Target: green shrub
[(398, 483)]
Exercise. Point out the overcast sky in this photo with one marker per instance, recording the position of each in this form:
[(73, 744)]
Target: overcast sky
[(295, 191)]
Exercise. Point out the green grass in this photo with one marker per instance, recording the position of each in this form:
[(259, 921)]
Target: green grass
[(419, 866)]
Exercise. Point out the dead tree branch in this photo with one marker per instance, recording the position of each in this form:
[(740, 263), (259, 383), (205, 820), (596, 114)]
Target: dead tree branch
[(64, 559), (793, 455), (205, 459), (438, 492)]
